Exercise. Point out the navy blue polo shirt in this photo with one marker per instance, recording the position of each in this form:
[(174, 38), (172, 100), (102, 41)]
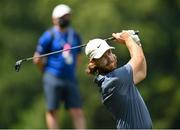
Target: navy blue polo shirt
[(123, 100), (62, 65)]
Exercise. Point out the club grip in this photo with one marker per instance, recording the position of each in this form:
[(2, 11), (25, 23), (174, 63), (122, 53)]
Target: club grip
[(113, 38)]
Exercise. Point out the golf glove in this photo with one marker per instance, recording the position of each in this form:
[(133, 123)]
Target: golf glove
[(134, 36)]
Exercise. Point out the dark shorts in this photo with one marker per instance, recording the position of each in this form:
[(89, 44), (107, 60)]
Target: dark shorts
[(60, 90)]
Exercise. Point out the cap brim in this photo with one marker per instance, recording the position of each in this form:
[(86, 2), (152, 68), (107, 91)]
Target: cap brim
[(101, 52)]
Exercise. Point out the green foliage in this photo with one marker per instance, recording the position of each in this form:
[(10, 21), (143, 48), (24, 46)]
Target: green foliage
[(21, 24)]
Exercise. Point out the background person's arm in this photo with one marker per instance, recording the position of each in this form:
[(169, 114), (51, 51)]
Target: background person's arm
[(79, 59), (137, 61), (79, 50), (38, 61), (44, 44)]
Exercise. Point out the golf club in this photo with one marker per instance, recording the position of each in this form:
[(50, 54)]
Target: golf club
[(19, 62)]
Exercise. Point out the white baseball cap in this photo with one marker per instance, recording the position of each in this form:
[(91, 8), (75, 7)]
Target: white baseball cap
[(96, 48), (61, 10)]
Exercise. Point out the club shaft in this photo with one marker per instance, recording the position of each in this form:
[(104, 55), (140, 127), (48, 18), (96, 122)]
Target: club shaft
[(55, 52), (75, 47)]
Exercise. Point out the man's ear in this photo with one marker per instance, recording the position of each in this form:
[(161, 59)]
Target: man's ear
[(92, 63), (55, 21)]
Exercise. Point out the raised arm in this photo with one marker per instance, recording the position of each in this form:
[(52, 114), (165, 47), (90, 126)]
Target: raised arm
[(137, 61)]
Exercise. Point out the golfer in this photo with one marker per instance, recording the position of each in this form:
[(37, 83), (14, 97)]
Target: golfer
[(117, 85), (59, 70)]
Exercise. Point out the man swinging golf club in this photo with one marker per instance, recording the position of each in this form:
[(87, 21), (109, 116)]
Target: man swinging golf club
[(117, 85)]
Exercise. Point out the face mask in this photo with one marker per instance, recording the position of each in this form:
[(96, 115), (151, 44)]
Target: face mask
[(63, 23)]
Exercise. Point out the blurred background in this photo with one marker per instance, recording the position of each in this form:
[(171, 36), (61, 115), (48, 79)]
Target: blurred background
[(22, 102)]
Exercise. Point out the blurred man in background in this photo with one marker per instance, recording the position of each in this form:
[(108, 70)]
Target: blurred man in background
[(59, 70)]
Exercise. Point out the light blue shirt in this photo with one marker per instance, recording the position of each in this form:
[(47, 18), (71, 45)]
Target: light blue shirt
[(123, 100)]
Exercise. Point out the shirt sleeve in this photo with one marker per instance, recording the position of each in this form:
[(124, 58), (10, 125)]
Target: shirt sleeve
[(44, 43), (125, 74)]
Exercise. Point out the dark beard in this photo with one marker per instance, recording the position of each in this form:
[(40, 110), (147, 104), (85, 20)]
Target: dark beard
[(105, 70)]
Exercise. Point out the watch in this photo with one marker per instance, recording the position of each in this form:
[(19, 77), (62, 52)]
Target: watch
[(139, 44)]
